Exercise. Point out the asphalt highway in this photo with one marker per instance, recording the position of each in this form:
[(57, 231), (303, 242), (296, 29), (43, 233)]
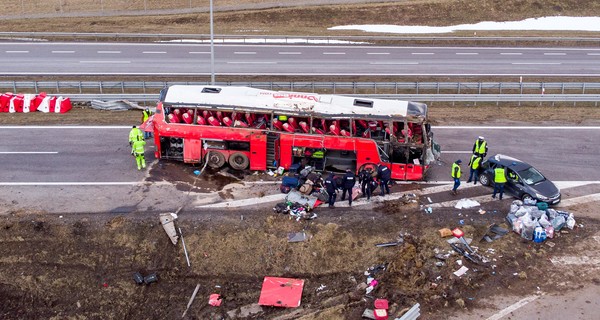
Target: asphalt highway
[(43, 58), (102, 154)]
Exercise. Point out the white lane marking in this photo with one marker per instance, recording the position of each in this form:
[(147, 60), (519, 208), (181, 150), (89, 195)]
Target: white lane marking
[(109, 51), (16, 51), (572, 184), (536, 63), (393, 63), (199, 52), (290, 52), (244, 52), (519, 127), (334, 53), (382, 53), (28, 152), (423, 53), (60, 51), (511, 53), (593, 54), (467, 53), (154, 52), (555, 54), (579, 200), (251, 62), (513, 307), (460, 152), (70, 183), (105, 61)]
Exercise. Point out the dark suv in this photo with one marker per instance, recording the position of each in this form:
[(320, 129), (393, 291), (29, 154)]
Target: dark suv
[(523, 181)]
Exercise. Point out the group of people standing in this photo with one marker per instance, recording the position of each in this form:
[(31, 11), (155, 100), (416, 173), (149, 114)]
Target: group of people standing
[(480, 149), (137, 141), (368, 179)]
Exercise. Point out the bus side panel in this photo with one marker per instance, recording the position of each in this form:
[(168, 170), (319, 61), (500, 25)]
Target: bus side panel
[(414, 172), (399, 171), (366, 153), (258, 152), (191, 150)]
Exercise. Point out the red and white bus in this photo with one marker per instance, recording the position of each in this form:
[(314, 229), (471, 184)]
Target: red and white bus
[(256, 129)]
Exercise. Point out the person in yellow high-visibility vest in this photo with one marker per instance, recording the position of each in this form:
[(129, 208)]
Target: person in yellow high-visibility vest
[(455, 173), (134, 134), (499, 181), (145, 115), (138, 151), (480, 147), (474, 164)]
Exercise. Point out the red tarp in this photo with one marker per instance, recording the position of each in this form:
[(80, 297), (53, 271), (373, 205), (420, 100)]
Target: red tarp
[(281, 292)]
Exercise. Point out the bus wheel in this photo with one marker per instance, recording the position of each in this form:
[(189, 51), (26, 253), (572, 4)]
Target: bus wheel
[(215, 159), (238, 161), (368, 165)]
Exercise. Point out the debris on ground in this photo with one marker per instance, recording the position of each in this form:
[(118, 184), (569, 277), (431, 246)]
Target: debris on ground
[(167, 220), (295, 209), (214, 300), (297, 236), (466, 203), (445, 232), (536, 222), (495, 232), (281, 292), (191, 300)]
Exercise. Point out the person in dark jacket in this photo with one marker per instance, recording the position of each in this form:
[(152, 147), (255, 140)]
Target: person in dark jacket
[(371, 186), (384, 175), (364, 176), (330, 187), (349, 182)]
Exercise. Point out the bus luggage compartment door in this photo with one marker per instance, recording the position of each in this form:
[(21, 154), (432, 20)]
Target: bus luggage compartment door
[(414, 172), (399, 171), (191, 150), (258, 152)]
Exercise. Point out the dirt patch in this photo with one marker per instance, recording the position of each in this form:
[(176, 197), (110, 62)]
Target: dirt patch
[(86, 263)]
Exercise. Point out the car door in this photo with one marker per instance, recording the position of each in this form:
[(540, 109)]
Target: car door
[(513, 185)]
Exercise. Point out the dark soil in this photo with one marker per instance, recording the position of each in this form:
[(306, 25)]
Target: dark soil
[(82, 266)]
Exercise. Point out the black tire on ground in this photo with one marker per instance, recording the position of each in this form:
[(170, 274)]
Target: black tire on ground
[(239, 161), (215, 159), (484, 179)]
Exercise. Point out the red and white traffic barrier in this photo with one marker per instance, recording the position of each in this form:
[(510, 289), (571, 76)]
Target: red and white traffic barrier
[(25, 103)]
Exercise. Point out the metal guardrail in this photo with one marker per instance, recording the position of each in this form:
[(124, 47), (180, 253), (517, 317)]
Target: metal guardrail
[(410, 97), (291, 39), (321, 87)]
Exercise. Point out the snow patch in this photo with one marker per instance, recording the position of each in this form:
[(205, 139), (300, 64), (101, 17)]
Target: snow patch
[(538, 24)]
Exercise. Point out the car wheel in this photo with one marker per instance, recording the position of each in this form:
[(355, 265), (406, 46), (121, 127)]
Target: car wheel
[(215, 159), (526, 197), (484, 179), (239, 161)]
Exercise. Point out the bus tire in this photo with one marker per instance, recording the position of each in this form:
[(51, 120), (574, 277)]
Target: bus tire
[(368, 165), (215, 159), (239, 161)]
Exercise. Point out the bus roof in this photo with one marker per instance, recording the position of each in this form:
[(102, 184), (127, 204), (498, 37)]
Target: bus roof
[(290, 102)]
